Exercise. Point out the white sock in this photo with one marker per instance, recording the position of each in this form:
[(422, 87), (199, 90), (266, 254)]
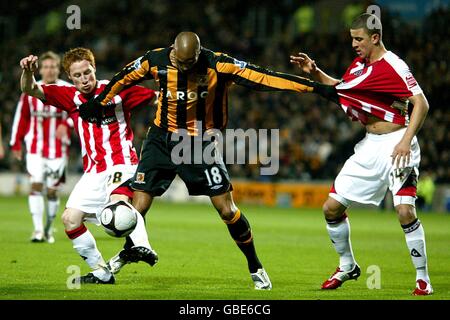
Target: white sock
[(340, 237), (415, 240), (139, 235), (52, 210), (36, 205), (84, 243)]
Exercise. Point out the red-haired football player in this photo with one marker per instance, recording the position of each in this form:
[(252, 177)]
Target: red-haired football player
[(109, 158)]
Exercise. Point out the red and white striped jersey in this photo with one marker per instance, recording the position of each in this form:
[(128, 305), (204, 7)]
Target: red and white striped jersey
[(35, 123), (111, 143), (380, 89)]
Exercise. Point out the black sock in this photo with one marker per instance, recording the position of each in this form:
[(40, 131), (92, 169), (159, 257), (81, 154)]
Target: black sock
[(128, 243), (242, 234)]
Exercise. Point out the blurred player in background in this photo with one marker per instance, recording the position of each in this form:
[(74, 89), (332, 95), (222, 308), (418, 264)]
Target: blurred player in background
[(109, 158), (45, 130), (194, 84), (375, 90)]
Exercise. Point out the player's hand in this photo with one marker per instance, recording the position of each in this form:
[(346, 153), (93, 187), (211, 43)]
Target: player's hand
[(91, 111), (401, 154), (2, 151), (305, 63), (17, 154), (29, 63)]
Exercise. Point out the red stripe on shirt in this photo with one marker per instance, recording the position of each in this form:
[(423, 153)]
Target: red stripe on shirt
[(45, 125), (100, 149), (116, 146), (35, 124)]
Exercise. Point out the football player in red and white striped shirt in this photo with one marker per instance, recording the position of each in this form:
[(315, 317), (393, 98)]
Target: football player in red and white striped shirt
[(109, 158), (44, 129), (375, 90)]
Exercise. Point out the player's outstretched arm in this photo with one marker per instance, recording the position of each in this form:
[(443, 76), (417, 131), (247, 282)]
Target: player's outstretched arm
[(133, 73), (401, 153), (262, 79), (309, 66), (28, 84)]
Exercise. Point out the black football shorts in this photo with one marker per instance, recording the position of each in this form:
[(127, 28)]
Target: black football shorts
[(156, 169)]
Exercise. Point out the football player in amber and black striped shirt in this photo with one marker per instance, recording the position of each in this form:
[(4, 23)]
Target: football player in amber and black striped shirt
[(194, 84)]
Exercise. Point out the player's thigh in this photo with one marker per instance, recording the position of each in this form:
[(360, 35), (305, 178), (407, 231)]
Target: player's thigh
[(36, 168), (155, 171), (55, 172)]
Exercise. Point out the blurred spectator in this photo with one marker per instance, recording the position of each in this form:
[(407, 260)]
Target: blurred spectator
[(425, 191)]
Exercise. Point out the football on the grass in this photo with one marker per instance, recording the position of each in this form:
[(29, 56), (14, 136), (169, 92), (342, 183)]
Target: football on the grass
[(118, 219)]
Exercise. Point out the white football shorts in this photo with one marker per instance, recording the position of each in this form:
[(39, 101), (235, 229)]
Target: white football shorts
[(93, 190), (50, 172), (369, 172)]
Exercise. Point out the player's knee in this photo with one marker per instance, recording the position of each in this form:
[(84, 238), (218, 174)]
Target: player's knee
[(52, 195), (69, 220), (331, 212), (37, 187), (225, 211), (142, 206), (225, 206), (406, 213), (65, 218), (142, 201)]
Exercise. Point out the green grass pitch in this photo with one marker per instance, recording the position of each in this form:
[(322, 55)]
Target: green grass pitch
[(198, 259)]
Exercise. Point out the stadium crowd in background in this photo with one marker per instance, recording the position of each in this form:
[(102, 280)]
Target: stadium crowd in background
[(314, 140)]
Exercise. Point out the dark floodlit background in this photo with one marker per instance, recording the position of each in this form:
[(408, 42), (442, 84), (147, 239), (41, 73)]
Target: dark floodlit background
[(315, 136)]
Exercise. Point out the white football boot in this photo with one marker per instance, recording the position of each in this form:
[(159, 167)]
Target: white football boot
[(116, 263), (37, 236), (261, 280), (49, 236)]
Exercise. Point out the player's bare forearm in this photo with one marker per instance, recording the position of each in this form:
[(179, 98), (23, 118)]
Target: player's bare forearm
[(28, 84), (418, 116), (322, 77)]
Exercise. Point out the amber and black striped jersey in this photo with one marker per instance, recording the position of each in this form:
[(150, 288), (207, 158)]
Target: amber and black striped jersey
[(202, 93)]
